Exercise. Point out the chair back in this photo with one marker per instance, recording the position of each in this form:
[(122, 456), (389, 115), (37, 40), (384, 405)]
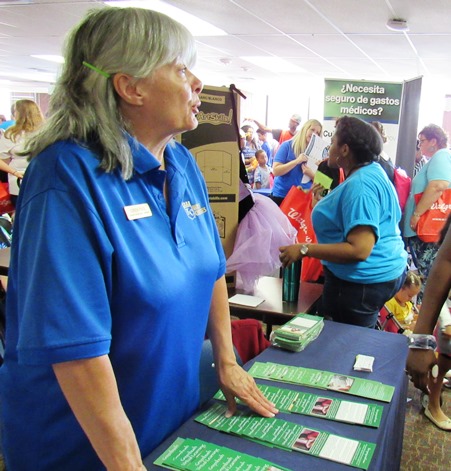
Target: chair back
[(388, 322)]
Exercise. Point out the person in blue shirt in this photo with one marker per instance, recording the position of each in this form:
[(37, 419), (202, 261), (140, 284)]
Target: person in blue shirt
[(290, 162), (356, 224), (117, 269), (430, 181), (10, 122), (262, 137)]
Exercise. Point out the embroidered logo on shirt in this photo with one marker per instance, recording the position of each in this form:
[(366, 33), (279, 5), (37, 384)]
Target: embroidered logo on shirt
[(193, 210)]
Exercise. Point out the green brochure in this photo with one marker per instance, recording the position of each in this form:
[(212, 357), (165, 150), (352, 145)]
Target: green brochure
[(292, 437), (205, 456), (320, 406), (297, 333), (323, 180), (183, 455), (323, 380)]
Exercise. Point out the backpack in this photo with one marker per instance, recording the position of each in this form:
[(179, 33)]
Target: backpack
[(402, 183)]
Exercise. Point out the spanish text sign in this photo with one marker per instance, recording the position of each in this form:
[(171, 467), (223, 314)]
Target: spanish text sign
[(370, 101)]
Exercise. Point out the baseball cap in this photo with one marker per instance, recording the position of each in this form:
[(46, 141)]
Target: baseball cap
[(297, 118)]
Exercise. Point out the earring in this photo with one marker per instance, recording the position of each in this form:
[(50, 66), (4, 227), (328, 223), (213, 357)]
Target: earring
[(338, 161)]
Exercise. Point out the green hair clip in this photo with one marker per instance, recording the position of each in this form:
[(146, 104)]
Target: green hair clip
[(96, 69)]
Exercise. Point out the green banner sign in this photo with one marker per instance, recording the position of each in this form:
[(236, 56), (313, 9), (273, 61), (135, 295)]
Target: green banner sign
[(370, 101)]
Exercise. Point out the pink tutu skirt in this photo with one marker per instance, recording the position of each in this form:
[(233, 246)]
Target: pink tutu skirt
[(260, 234)]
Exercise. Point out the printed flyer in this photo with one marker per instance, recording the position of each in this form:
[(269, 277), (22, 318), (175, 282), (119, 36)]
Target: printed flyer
[(323, 380), (198, 455), (274, 432), (320, 406)]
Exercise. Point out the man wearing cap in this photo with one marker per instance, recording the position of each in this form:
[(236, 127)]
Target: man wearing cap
[(282, 135)]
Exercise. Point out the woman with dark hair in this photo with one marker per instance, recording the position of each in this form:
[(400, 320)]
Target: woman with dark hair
[(356, 225), (431, 180)]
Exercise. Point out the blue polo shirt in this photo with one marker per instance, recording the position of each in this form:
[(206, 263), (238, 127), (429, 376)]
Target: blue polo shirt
[(85, 280), (366, 198), (283, 183)]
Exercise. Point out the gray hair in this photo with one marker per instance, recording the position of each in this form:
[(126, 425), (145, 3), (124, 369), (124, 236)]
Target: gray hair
[(84, 104)]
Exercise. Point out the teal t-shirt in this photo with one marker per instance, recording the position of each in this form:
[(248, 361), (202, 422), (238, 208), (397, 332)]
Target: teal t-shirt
[(438, 168), (366, 198)]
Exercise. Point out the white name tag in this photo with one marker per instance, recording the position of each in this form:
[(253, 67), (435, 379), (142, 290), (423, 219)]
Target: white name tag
[(137, 211)]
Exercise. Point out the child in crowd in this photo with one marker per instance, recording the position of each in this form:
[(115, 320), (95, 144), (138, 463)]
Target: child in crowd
[(262, 174), (401, 304), (248, 147)]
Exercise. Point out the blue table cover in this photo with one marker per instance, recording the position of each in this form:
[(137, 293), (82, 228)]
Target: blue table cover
[(334, 350)]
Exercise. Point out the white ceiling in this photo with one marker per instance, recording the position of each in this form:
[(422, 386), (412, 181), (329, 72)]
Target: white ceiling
[(323, 38)]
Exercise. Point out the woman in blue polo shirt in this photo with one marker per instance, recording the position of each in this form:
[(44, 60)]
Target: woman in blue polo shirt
[(356, 225), (117, 270)]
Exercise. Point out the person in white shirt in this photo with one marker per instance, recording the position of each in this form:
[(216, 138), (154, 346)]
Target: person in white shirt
[(28, 119)]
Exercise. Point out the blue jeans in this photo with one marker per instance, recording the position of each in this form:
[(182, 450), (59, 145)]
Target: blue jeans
[(356, 303)]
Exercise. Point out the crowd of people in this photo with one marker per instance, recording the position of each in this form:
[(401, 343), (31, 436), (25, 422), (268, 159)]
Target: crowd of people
[(371, 253), (103, 194), (367, 241)]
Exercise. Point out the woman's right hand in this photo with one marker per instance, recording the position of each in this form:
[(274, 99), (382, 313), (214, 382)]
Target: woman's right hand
[(302, 158), (418, 367), (317, 193), (289, 254)]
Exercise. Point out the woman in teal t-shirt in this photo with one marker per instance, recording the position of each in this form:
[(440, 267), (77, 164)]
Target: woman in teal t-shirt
[(356, 225), (432, 179)]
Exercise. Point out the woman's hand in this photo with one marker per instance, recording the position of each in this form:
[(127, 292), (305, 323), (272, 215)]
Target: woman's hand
[(308, 171), (418, 367), (237, 383), (414, 222), (302, 158), (289, 254), (17, 174), (317, 193)]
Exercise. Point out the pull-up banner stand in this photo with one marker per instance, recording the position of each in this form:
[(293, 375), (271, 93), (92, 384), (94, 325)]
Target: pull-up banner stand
[(370, 101), (408, 125)]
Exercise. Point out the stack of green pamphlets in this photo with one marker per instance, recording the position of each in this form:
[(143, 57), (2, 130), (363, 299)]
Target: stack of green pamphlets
[(297, 402), (278, 433), (196, 455), (296, 334), (324, 380)]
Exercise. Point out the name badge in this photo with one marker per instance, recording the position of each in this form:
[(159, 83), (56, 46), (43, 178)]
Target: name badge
[(137, 211)]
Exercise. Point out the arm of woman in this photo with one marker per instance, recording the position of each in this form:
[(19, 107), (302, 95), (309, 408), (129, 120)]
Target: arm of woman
[(309, 172), (280, 168), (234, 381), (420, 362), (8, 169), (357, 247), (90, 389), (431, 194)]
